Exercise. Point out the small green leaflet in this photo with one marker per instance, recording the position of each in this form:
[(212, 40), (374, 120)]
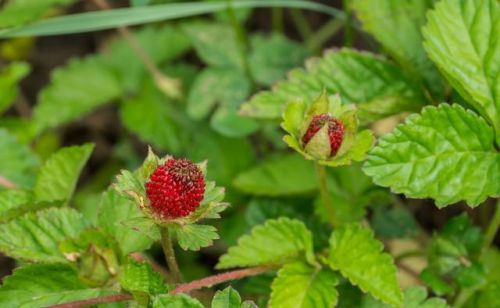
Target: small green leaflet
[(75, 90), (14, 203), (9, 78), (274, 243), (19, 12), (358, 256), (415, 297), (36, 236), (463, 38), (377, 86), (58, 176), (445, 153), (43, 285), (227, 298), (298, 285), (176, 301), (194, 236), (141, 280)]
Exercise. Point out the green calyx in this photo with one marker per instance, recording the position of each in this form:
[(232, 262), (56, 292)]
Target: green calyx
[(297, 118)]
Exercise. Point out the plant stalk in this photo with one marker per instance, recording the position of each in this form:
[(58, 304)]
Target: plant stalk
[(301, 24), (492, 230), (169, 252), (348, 29), (325, 194)]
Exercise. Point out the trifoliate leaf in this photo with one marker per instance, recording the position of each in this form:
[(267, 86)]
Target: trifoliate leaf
[(278, 176), (358, 256), (36, 236), (116, 217), (17, 162), (176, 301), (19, 12), (141, 280), (445, 153), (276, 242), (74, 90), (273, 56), (227, 298), (300, 285), (9, 77), (44, 285), (378, 87), (463, 38), (14, 203), (56, 180), (396, 25), (194, 237)]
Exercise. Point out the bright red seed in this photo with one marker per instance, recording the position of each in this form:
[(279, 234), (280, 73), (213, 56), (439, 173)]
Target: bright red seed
[(335, 131), (175, 189)]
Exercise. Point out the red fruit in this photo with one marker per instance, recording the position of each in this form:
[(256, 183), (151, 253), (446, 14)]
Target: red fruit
[(335, 131), (175, 189)]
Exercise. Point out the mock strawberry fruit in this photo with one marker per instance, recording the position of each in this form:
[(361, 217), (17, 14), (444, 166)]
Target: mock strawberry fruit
[(175, 189), (335, 131)]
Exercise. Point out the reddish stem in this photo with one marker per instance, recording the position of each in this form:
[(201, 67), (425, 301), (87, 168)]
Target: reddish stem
[(7, 183), (181, 288)]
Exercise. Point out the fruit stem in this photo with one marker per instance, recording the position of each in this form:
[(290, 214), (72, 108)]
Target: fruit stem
[(325, 195), (169, 252), (492, 229)]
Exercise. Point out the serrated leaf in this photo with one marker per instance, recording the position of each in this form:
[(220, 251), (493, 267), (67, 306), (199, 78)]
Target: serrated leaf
[(299, 285), (162, 44), (223, 54), (396, 25), (276, 242), (114, 212), (14, 203), (9, 77), (151, 116), (57, 178), (445, 153), (17, 162), (227, 121), (463, 38), (273, 56), (194, 237), (44, 285), (278, 176), (415, 297), (176, 301), (141, 280), (36, 236), (359, 77), (19, 12), (75, 90), (358, 256), (227, 298)]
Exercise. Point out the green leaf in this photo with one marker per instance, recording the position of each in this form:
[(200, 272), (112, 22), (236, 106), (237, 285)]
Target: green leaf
[(14, 203), (415, 297), (162, 44), (396, 25), (358, 256), (176, 301), (9, 77), (272, 56), (194, 237), (74, 90), (463, 38), (227, 298), (300, 285), (396, 222), (378, 87), (276, 242), (36, 236), (17, 162), (114, 213), (19, 12), (43, 285), (278, 176), (227, 121), (152, 117), (141, 280), (445, 153), (58, 176), (94, 21)]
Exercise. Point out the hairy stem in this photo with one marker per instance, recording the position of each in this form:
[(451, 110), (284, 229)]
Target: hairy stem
[(181, 288), (7, 183), (329, 29), (301, 23), (325, 194), (170, 86), (168, 250), (492, 229)]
